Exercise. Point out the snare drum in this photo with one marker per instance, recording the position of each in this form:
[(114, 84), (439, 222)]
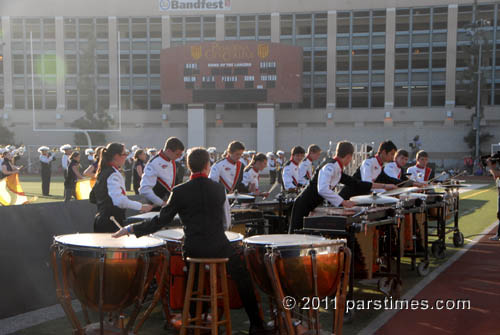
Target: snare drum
[(293, 254), (178, 270), (99, 268)]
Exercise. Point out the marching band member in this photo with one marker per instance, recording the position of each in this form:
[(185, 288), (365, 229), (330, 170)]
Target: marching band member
[(251, 174), (271, 165), (2, 151), (420, 172), (211, 152), (127, 170), (8, 167), (151, 153), (371, 169), (72, 176), (138, 168), (46, 159), (109, 193), (89, 152), (160, 173), (306, 166), (323, 183), (291, 170), (229, 170), (91, 170), (204, 211), (66, 150), (280, 161)]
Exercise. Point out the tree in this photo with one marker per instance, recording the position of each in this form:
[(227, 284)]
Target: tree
[(95, 116), (477, 56), (6, 136)]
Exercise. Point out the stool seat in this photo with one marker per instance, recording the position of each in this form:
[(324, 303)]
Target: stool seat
[(215, 266)]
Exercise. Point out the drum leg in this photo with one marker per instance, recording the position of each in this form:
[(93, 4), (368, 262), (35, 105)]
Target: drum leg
[(64, 296), (157, 294), (139, 300), (85, 314), (257, 294), (315, 283), (270, 261), (101, 292), (340, 297)]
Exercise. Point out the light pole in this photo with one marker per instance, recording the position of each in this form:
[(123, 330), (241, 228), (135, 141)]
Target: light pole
[(476, 30)]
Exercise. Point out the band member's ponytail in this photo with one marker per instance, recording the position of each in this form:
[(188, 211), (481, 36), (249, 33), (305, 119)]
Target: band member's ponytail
[(107, 155)]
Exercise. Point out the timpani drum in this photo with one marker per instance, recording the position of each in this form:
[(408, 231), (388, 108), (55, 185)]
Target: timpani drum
[(293, 260), (300, 266), (176, 287), (105, 274)]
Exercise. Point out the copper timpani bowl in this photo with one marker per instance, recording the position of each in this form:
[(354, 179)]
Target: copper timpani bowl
[(293, 254), (127, 263)]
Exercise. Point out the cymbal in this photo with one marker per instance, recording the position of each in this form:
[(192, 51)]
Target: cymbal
[(374, 200), (400, 190), (237, 196)]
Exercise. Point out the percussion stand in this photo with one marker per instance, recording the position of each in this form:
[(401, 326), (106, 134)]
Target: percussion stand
[(340, 297), (62, 292), (165, 269), (284, 314)]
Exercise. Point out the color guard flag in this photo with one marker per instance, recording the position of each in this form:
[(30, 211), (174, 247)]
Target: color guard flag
[(83, 188), (11, 192)]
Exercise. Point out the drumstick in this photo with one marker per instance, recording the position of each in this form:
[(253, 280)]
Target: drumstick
[(112, 218)]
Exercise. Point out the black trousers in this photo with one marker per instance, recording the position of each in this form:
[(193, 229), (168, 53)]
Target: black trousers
[(128, 180), (307, 201), (272, 175), (237, 269), (45, 182)]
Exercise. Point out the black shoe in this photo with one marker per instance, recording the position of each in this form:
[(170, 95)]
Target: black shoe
[(260, 330)]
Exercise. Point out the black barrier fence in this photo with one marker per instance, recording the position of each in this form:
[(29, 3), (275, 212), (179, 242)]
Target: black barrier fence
[(27, 281)]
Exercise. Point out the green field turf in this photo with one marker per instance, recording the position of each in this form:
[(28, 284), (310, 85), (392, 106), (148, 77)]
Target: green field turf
[(478, 209)]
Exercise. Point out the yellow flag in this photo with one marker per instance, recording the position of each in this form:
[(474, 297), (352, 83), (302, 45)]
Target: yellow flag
[(83, 188), (11, 192)]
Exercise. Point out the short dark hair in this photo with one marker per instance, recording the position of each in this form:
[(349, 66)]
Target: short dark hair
[(387, 146), (297, 150), (173, 144), (313, 148), (344, 148), (197, 159), (235, 146), (402, 152), (258, 157), (422, 153)]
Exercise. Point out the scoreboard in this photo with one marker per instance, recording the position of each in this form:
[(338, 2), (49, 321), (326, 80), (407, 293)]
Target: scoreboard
[(231, 72)]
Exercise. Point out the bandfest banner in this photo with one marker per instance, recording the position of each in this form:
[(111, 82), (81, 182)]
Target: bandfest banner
[(172, 5)]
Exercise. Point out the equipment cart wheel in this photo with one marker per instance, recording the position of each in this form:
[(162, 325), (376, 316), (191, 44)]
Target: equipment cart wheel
[(438, 249), (423, 269), (458, 239)]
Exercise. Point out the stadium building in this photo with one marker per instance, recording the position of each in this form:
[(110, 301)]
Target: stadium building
[(371, 70)]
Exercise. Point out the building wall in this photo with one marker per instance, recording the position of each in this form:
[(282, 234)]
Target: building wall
[(375, 70)]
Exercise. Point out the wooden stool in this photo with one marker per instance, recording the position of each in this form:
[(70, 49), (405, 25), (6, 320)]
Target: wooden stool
[(199, 296)]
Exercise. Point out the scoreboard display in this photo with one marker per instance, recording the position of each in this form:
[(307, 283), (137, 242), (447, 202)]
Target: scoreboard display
[(231, 72)]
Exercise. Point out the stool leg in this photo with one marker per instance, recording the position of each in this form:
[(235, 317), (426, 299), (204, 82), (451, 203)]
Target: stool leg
[(225, 291), (187, 298), (213, 297), (200, 291)]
